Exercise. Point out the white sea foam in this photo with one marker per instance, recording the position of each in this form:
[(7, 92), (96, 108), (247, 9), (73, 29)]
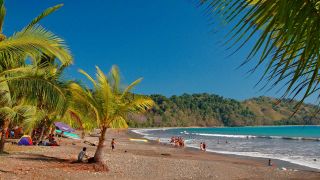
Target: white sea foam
[(224, 135), (140, 131), (143, 131), (299, 160), (251, 136)]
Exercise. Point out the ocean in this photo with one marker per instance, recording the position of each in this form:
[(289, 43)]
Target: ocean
[(296, 144)]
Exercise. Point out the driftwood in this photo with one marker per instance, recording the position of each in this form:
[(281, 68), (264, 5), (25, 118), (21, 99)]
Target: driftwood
[(89, 143)]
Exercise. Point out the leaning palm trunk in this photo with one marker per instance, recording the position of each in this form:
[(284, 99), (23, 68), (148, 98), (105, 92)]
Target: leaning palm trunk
[(83, 134), (42, 133), (98, 154), (3, 136), (52, 130)]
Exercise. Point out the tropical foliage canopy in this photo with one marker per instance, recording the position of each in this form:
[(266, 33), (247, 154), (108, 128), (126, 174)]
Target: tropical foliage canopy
[(288, 39), (107, 104)]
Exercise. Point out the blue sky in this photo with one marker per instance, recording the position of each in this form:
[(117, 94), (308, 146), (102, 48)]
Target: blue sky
[(169, 43)]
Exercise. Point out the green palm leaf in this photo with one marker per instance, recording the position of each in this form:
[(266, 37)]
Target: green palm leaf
[(44, 14), (36, 40), (288, 38)]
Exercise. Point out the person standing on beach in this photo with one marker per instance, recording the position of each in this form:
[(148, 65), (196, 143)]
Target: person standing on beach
[(204, 146), (113, 143), (201, 146)]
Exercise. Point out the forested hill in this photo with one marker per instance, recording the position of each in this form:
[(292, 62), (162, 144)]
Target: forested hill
[(213, 110)]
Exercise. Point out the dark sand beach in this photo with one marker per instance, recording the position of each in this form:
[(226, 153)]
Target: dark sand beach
[(139, 160)]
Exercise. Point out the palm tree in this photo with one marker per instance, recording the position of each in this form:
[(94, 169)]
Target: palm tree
[(14, 109), (288, 39), (36, 79), (107, 105), (74, 117)]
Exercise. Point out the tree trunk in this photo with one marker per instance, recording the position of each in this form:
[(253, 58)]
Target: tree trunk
[(5, 127), (42, 133), (53, 129), (50, 129), (99, 152), (83, 134)]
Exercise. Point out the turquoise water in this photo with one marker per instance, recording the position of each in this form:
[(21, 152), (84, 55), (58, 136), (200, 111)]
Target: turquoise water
[(295, 144), (299, 132)]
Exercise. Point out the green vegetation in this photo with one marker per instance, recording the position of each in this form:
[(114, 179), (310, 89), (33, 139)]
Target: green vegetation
[(34, 95), (213, 110), (31, 61), (107, 104)]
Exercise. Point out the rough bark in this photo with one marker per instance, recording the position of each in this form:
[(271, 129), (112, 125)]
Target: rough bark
[(83, 134), (52, 130), (5, 127), (42, 133), (98, 156)]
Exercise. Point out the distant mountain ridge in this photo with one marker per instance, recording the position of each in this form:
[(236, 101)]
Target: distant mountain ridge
[(213, 110)]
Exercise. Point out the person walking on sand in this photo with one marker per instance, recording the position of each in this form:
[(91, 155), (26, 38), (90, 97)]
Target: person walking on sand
[(201, 146), (113, 143)]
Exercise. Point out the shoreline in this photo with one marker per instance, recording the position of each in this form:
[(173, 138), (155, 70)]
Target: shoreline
[(135, 160), (278, 162)]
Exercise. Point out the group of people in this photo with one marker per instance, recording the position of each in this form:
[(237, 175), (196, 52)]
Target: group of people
[(51, 141), (177, 141), (13, 132)]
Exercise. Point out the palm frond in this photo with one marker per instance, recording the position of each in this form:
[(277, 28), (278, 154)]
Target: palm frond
[(107, 104), (44, 14), (88, 77), (34, 41), (32, 86), (118, 122), (34, 119), (2, 15), (115, 73), (130, 87), (288, 38)]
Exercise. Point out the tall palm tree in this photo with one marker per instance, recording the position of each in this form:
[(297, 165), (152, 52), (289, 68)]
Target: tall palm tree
[(40, 46), (108, 104), (288, 39)]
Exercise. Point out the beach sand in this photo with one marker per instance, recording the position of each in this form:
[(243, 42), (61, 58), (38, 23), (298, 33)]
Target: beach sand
[(138, 160)]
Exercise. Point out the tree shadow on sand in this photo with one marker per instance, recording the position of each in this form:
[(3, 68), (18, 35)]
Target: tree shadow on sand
[(40, 157), (4, 171), (4, 153), (64, 163)]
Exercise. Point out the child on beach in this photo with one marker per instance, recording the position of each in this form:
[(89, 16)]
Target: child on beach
[(113, 144)]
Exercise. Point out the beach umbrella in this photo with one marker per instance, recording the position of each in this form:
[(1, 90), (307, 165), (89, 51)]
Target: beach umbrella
[(63, 127)]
